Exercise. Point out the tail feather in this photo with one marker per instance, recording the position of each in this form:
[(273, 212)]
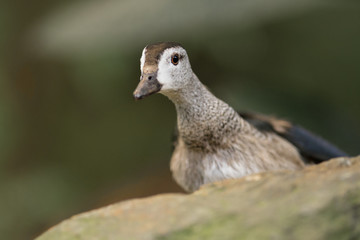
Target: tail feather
[(312, 147)]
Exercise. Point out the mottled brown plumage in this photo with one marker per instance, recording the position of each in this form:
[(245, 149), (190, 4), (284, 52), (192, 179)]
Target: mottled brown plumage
[(214, 141)]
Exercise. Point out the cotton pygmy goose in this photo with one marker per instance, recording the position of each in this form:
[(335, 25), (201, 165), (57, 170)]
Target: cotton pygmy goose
[(214, 141)]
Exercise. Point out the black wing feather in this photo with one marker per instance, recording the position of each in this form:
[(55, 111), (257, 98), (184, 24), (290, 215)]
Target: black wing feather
[(312, 147)]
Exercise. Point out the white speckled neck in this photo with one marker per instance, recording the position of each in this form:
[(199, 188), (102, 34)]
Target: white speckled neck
[(191, 94), (202, 118)]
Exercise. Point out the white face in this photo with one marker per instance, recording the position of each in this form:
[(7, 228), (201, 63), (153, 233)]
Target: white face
[(142, 60), (174, 69)]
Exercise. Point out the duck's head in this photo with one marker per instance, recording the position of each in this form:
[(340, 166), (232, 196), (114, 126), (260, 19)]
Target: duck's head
[(165, 68)]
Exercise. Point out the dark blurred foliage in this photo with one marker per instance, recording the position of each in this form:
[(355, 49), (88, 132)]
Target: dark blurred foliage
[(72, 137)]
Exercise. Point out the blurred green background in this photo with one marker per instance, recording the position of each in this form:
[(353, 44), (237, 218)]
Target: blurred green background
[(72, 137)]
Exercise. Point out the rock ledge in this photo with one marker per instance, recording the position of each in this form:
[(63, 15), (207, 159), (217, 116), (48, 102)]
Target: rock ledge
[(319, 202)]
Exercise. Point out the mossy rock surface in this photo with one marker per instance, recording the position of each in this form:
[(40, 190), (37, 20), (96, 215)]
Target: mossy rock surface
[(319, 202)]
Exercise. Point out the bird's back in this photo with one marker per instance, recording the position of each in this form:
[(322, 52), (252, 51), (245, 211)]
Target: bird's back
[(264, 144), (313, 148), (240, 152)]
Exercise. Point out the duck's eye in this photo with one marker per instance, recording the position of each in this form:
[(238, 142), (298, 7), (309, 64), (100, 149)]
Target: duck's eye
[(175, 59)]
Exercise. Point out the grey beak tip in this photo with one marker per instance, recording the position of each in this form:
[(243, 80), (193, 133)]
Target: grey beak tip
[(138, 96)]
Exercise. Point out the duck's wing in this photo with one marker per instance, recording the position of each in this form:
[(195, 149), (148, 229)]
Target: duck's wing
[(312, 147)]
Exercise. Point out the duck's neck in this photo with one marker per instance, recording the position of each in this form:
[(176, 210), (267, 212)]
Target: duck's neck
[(193, 102), (201, 116)]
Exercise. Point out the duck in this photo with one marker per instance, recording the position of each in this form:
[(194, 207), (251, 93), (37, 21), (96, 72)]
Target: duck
[(215, 142)]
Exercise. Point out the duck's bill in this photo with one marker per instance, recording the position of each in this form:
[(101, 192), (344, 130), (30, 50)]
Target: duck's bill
[(147, 86)]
